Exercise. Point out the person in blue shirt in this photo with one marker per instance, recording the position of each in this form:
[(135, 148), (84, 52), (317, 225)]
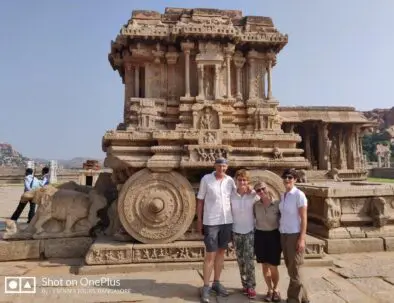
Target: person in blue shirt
[(30, 183), (45, 176)]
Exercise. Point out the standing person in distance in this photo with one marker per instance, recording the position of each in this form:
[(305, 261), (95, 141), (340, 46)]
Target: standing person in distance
[(292, 226), (45, 176), (30, 183)]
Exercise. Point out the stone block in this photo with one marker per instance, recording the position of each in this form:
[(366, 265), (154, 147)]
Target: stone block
[(355, 232), (389, 243), (67, 247), (338, 246), (19, 250), (314, 247)]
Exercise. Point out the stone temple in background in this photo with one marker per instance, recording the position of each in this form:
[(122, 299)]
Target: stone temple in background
[(198, 85)]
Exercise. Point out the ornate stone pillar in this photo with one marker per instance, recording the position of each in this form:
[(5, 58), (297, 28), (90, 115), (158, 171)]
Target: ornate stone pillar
[(251, 62), (307, 144), (129, 91), (228, 69), (355, 148), (172, 58), (200, 75), (186, 47), (324, 147), (216, 85), (270, 62), (137, 81), (342, 161), (229, 50), (269, 80), (239, 62)]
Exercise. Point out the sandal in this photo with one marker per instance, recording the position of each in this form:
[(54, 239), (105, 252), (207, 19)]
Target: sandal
[(276, 296), (268, 297)]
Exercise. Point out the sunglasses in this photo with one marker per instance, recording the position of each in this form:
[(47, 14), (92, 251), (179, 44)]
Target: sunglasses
[(288, 177), (258, 190)]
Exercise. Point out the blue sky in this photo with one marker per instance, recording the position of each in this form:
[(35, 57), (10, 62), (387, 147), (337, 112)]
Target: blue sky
[(58, 93)]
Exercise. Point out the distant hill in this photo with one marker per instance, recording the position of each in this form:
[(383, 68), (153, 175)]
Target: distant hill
[(11, 158), (384, 117)]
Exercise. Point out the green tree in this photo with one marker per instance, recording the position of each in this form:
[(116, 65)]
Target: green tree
[(370, 142)]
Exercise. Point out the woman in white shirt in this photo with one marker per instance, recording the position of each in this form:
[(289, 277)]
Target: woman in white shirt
[(242, 201)]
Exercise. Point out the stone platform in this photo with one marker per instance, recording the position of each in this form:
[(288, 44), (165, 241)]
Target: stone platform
[(351, 216), (105, 251)]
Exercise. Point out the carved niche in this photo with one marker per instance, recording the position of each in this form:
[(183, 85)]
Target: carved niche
[(206, 119)]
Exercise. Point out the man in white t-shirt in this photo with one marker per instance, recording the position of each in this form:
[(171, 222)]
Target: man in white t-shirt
[(292, 226), (215, 219)]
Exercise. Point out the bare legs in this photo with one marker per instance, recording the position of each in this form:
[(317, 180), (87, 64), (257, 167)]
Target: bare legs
[(213, 261), (271, 276)]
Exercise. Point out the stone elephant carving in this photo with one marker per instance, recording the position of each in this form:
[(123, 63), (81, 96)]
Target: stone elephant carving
[(60, 213)]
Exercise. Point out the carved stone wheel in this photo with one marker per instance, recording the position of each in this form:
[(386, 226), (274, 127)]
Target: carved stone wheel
[(156, 207), (274, 182)]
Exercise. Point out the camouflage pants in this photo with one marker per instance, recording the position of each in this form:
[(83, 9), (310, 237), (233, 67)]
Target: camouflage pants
[(244, 248)]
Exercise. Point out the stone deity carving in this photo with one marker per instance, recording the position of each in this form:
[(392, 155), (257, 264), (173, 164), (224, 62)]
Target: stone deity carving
[(206, 119)]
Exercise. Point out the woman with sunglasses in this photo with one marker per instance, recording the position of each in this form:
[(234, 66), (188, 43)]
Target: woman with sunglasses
[(242, 200), (267, 240), (293, 222)]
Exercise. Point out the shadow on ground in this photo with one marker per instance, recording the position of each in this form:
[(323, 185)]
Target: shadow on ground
[(187, 292), (152, 288)]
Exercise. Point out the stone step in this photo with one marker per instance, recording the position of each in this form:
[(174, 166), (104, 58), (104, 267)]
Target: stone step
[(326, 261)]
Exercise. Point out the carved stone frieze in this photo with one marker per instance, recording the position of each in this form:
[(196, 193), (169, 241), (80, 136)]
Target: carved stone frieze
[(180, 253), (208, 154), (108, 252), (109, 256)]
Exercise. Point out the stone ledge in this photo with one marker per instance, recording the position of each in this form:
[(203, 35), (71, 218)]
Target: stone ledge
[(151, 267), (19, 250), (338, 246), (12, 250)]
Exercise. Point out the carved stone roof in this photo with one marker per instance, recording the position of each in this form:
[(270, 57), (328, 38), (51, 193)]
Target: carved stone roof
[(181, 24), (333, 114)]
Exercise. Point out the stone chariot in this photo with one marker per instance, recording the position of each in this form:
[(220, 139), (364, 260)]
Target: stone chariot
[(198, 85)]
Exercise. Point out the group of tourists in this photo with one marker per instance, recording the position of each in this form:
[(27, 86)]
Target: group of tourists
[(258, 226), (31, 182)]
